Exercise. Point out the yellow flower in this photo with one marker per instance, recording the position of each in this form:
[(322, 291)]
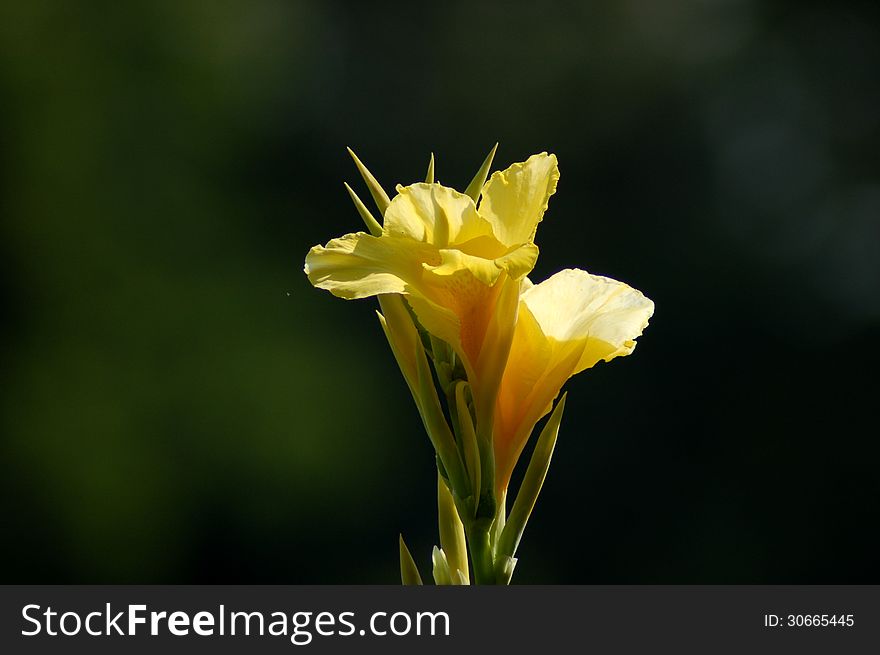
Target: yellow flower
[(458, 265), (566, 324), (460, 269)]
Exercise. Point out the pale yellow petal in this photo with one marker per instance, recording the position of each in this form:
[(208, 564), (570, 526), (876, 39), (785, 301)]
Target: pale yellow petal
[(452, 293), (530, 356), (485, 271), (567, 323), (434, 214), (519, 261), (440, 321), (359, 265), (492, 358), (462, 295), (485, 246), (514, 200), (604, 313)]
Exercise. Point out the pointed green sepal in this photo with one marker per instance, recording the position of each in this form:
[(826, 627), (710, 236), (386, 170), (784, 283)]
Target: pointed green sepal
[(379, 196), (528, 492), (436, 425), (476, 185), (409, 572), (405, 340), (429, 178), (403, 337), (442, 575), (452, 539), (372, 224), (468, 436)]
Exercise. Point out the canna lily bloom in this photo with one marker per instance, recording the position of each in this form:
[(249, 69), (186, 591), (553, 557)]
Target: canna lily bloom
[(458, 265), (566, 324)]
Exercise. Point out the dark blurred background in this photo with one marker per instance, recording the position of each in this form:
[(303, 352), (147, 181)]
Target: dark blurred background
[(179, 405)]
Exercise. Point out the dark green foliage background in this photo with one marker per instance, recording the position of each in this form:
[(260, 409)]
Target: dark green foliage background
[(179, 405)]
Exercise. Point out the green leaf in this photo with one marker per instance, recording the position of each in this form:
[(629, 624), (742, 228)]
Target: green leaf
[(468, 437), (409, 572), (442, 354), (528, 493), (452, 539), (476, 185), (436, 425), (379, 196), (372, 224), (429, 178), (409, 351)]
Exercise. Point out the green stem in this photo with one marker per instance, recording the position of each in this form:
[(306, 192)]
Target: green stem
[(480, 547)]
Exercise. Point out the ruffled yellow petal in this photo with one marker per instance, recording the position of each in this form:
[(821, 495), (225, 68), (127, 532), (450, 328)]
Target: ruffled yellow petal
[(566, 324), (605, 314), (457, 309), (453, 294), (519, 261), (434, 214), (485, 271), (359, 265), (514, 200)]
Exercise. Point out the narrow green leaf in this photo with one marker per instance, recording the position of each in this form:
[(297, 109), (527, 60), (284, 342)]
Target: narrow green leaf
[(409, 572), (476, 185), (442, 575), (429, 178), (409, 351), (436, 425), (379, 196), (442, 354), (529, 489), (468, 438), (500, 517), (400, 343), (452, 539), (371, 223)]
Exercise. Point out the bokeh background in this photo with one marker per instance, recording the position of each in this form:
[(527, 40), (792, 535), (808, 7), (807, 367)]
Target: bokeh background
[(179, 405)]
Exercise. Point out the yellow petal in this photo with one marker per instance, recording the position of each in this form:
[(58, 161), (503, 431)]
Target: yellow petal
[(455, 261), (435, 214), (516, 263), (456, 308), (605, 314), (491, 360), (566, 324), (453, 294), (359, 265), (514, 200), (451, 302), (520, 261)]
